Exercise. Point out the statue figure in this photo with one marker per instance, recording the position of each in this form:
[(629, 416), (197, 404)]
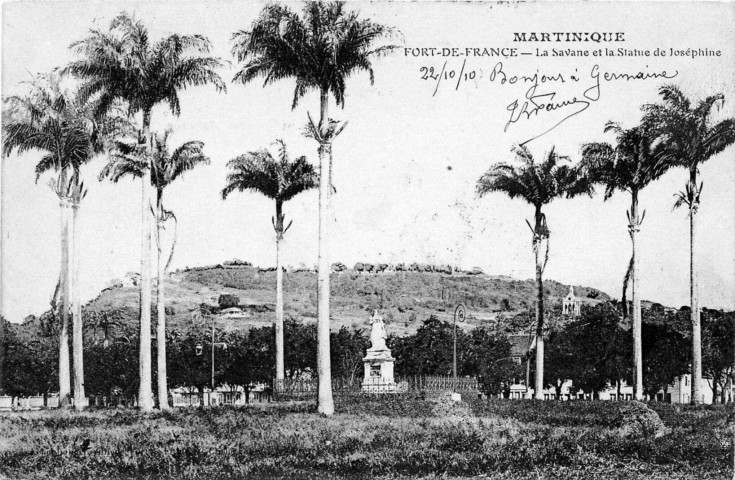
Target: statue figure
[(377, 335), (378, 361)]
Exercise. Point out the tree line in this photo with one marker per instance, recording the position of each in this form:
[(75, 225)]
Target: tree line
[(596, 350), (122, 74), (593, 352), (111, 367)]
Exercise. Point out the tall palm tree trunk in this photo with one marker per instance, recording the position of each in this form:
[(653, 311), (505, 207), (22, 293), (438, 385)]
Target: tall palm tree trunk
[(161, 310), (539, 387), (77, 338), (634, 228), (145, 395), (540, 232), (694, 296), (280, 370), (64, 289), (325, 402), (2, 355)]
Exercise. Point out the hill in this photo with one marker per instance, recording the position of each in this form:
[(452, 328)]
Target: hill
[(404, 298)]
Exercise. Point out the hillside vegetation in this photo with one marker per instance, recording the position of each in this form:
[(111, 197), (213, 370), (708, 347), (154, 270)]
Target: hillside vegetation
[(404, 298)]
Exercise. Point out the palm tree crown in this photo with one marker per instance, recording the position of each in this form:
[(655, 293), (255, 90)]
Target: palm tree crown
[(279, 179), (54, 121), (536, 183), (636, 160), (131, 159), (689, 132), (122, 63), (320, 49)]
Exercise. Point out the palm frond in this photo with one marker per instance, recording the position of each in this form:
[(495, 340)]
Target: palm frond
[(638, 158), (719, 137), (673, 95), (120, 165), (319, 49), (123, 64), (681, 199), (185, 158), (50, 120), (279, 179), (536, 183), (685, 132), (48, 162)]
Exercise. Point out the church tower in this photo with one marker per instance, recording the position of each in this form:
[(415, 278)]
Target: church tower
[(571, 304)]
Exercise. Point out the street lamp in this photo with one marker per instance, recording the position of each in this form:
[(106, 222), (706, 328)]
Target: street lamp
[(198, 319), (459, 314)]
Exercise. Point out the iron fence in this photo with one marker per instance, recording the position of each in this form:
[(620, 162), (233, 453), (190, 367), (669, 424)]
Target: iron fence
[(284, 390), (423, 386), (38, 402)]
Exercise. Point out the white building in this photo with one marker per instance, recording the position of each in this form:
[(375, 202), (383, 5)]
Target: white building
[(571, 305), (678, 392), (681, 391)]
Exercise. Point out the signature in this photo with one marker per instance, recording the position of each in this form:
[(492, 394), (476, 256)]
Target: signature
[(535, 103)]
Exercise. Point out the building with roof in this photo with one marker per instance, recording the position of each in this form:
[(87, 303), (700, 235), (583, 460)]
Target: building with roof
[(520, 345), (571, 304)]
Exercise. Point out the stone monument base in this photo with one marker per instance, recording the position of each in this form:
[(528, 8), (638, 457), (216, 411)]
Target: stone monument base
[(378, 372)]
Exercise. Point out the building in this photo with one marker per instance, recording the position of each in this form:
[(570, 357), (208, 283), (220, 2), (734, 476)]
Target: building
[(222, 395), (680, 391), (520, 345), (571, 304)]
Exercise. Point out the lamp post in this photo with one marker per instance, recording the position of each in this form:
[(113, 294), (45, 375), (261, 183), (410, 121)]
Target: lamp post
[(198, 319), (459, 314)]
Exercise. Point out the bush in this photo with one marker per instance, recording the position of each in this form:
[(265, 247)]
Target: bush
[(227, 300), (635, 419), (237, 262)]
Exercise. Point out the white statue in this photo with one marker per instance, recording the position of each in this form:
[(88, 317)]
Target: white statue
[(377, 335), (378, 361)]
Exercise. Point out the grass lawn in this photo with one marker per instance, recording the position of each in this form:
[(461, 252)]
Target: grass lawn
[(386, 438)]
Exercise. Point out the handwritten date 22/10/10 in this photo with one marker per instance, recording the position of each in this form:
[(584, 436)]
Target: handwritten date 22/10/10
[(429, 73)]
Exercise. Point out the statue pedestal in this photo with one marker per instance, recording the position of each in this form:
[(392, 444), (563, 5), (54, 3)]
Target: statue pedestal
[(378, 372)]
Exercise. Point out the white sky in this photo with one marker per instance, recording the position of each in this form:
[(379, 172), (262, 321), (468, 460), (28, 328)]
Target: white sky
[(397, 199)]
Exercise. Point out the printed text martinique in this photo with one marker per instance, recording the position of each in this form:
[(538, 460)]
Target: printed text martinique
[(569, 37)]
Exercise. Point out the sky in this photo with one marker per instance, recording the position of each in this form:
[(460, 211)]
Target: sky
[(407, 163)]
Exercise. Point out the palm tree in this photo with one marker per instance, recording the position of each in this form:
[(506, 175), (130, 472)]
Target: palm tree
[(122, 64), (691, 137), (59, 123), (630, 166), (320, 49), (128, 159), (537, 184), (280, 180)]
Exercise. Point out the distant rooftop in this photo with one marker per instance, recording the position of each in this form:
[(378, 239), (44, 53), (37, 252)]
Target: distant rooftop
[(520, 344)]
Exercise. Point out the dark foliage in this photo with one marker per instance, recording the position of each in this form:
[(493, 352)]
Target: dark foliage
[(480, 353)]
